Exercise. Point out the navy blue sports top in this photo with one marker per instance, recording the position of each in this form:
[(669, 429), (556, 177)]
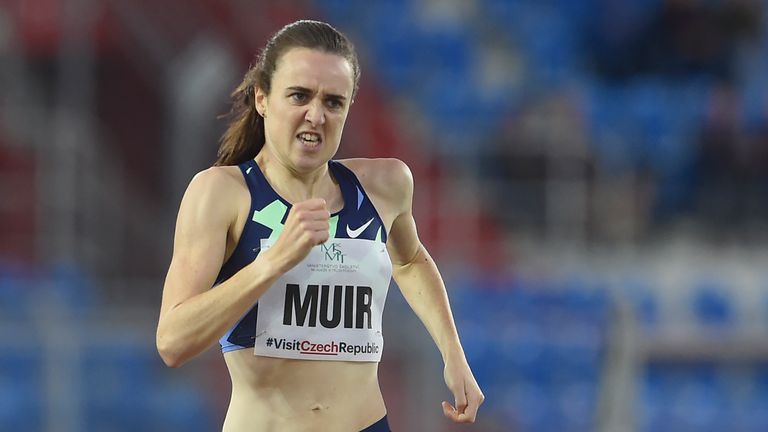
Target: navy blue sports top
[(267, 215)]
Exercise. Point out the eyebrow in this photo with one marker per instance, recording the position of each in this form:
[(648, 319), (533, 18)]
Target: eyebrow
[(306, 90)]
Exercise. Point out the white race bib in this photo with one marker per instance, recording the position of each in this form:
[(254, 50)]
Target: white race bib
[(329, 306)]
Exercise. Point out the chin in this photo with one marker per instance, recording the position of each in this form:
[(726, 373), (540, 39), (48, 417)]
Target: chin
[(309, 163)]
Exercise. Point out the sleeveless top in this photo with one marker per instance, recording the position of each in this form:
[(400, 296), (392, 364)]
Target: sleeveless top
[(357, 221)]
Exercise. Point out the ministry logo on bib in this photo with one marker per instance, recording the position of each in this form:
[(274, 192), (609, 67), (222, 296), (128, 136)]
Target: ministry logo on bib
[(332, 252)]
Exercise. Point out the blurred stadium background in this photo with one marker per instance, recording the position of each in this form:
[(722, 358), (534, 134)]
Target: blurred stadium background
[(592, 178)]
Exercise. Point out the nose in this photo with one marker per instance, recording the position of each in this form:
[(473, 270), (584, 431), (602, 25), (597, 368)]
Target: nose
[(315, 113)]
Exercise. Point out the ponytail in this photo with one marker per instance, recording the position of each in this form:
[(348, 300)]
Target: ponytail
[(244, 136)]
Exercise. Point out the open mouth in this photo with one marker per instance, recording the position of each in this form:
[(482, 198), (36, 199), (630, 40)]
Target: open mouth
[(310, 139)]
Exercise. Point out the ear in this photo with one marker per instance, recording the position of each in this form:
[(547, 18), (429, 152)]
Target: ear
[(261, 102)]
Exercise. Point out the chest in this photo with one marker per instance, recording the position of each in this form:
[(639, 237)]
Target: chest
[(359, 216)]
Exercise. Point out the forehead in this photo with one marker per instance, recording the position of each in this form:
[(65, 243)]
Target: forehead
[(314, 69)]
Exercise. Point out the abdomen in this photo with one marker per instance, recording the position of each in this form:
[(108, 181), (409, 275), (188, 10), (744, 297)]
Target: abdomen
[(286, 395)]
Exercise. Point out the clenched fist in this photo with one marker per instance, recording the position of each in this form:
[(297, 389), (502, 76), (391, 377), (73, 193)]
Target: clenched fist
[(306, 227)]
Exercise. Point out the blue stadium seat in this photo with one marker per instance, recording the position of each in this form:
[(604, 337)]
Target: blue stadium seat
[(115, 380), (505, 13), (577, 405), (397, 55), (752, 413), (755, 93), (447, 48), (550, 53), (640, 295), (21, 390), (14, 294), (71, 288), (687, 397), (20, 409), (180, 408), (711, 303), (342, 13), (527, 408), (612, 135)]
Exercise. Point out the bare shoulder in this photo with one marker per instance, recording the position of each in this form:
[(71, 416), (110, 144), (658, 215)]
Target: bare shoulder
[(216, 183), (217, 177), (381, 175), (215, 191), (388, 182)]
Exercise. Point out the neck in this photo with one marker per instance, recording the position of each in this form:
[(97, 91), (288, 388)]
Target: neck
[(292, 184)]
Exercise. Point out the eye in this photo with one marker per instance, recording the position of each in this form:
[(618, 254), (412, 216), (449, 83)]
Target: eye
[(298, 97), (334, 104)]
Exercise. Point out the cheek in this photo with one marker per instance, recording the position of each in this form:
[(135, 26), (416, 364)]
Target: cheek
[(286, 122), (339, 121)]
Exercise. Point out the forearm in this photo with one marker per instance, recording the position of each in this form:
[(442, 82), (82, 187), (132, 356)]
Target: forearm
[(424, 290), (191, 327)]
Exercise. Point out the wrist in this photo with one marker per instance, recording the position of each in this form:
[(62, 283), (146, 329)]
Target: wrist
[(452, 352), (267, 267)]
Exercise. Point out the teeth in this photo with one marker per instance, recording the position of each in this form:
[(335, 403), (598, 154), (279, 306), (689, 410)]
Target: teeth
[(309, 137)]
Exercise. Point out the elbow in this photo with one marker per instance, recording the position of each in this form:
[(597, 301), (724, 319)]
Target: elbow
[(170, 360), (170, 355)]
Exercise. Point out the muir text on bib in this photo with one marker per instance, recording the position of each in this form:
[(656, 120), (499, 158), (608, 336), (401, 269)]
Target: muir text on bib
[(328, 307)]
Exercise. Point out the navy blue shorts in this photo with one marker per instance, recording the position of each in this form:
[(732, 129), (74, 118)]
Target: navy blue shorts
[(379, 426)]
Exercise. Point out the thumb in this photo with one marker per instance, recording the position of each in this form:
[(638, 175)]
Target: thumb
[(449, 411), (316, 203)]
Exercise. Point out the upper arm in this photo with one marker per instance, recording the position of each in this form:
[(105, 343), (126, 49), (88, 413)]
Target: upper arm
[(403, 242), (389, 184), (205, 216)]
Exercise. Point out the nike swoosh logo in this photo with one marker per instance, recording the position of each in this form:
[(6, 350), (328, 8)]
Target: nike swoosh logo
[(356, 232)]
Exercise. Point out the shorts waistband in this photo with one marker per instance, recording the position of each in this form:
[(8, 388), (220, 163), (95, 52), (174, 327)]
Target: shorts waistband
[(380, 426)]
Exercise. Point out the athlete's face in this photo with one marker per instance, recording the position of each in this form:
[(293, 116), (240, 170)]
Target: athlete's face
[(305, 111)]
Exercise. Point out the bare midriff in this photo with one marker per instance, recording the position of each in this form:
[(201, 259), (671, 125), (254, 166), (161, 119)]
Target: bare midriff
[(274, 394)]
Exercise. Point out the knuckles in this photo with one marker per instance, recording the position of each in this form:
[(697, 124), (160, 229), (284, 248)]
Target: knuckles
[(303, 215), (307, 226)]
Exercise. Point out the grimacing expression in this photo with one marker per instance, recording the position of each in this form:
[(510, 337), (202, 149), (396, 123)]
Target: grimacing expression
[(305, 111)]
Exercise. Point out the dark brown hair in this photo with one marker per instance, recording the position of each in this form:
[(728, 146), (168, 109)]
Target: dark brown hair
[(244, 136)]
